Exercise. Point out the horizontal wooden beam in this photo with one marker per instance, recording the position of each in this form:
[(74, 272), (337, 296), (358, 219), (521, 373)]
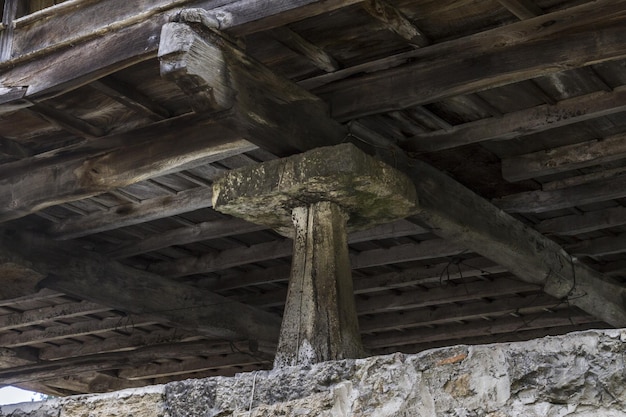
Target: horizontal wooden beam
[(523, 9), (601, 246), (49, 314), (584, 223), (272, 109), (565, 158), (396, 21), (451, 314), (95, 278), (123, 36), (132, 213), (542, 201), (489, 59), (521, 123), (318, 56), (107, 163), (483, 328)]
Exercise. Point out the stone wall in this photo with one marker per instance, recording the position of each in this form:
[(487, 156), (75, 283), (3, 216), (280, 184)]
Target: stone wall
[(581, 374)]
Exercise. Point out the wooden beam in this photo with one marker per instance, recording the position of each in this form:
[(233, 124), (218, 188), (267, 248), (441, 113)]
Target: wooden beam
[(12, 149), (522, 122), (449, 315), (584, 223), (49, 314), (396, 21), (564, 158), (584, 178), (462, 331), (104, 164), (442, 295), (601, 246), (131, 98), (9, 15), (318, 56), (123, 37), (133, 213), (66, 121), (94, 278), (486, 60), (523, 9), (542, 201), (271, 109)]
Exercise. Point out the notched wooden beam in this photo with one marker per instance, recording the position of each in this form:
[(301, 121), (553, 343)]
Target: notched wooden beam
[(264, 108)]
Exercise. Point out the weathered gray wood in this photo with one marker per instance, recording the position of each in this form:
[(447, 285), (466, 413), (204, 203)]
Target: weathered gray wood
[(12, 149), (67, 122), (583, 179), (523, 9), (505, 55), (600, 246), (93, 277), (443, 294), (130, 97), (564, 158), (93, 168), (133, 213), (271, 110), (49, 314), (60, 331), (434, 248), (541, 201), (396, 21), (318, 56), (191, 365), (463, 331), (584, 223), (471, 311), (320, 321), (9, 14), (522, 122)]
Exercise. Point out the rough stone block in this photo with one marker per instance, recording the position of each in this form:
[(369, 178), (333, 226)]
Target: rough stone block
[(369, 191)]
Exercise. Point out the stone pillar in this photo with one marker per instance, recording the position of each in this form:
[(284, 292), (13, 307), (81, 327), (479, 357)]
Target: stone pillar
[(316, 198), (320, 322)]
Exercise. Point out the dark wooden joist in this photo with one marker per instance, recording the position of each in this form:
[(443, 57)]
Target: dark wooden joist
[(575, 224), (564, 158), (396, 21), (542, 201), (261, 106), (445, 314), (104, 164), (131, 98), (66, 121), (509, 54), (475, 329), (523, 9), (9, 14), (12, 149), (124, 37), (584, 178), (318, 56), (95, 278), (133, 213), (48, 314), (600, 246), (521, 123)]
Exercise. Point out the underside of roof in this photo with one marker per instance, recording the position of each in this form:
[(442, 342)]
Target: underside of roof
[(116, 117)]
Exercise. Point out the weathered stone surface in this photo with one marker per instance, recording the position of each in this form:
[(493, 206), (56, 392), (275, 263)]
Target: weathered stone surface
[(370, 191), (578, 375)]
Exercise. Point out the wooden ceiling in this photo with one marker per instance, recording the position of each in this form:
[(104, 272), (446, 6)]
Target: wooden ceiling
[(115, 270)]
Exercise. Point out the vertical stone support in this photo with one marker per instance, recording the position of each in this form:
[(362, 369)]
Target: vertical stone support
[(320, 321), (316, 198)]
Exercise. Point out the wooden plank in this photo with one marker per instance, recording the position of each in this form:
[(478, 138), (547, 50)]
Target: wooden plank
[(190, 365), (130, 97), (584, 223), (53, 333), (66, 121), (542, 201), (564, 158), (12, 149), (318, 56), (600, 246), (93, 277), (489, 59), (272, 108), (584, 178), (443, 295), (133, 213), (396, 21), (522, 122), (443, 315), (48, 314), (9, 14), (92, 168), (462, 331), (523, 9)]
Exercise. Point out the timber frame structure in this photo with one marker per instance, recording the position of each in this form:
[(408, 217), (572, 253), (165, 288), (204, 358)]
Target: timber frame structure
[(116, 117)]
